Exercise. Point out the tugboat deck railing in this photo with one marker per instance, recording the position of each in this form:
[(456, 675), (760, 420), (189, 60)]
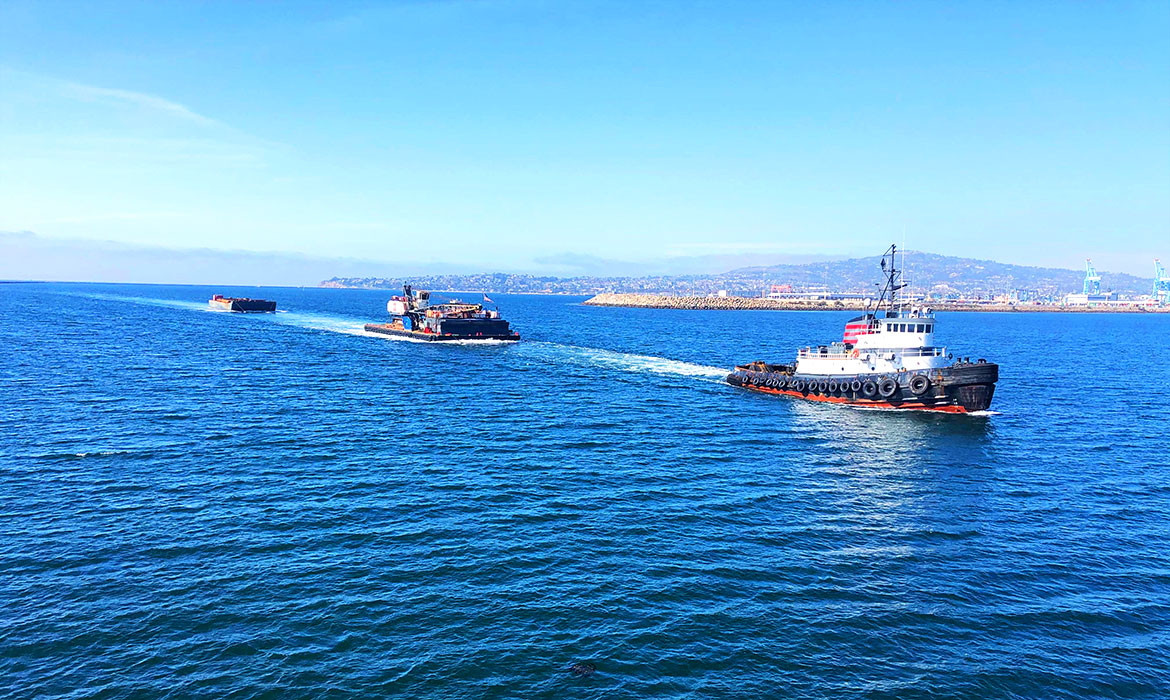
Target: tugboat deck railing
[(856, 353)]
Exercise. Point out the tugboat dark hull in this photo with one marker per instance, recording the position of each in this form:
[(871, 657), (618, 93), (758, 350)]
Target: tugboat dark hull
[(959, 388), (388, 329)]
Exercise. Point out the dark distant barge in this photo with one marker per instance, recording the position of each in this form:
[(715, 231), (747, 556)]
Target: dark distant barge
[(242, 305), (413, 316)]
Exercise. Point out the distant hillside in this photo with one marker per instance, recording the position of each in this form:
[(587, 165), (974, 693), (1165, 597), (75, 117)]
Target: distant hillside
[(943, 276), (943, 273)]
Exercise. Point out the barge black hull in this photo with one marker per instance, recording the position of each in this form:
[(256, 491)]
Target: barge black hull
[(959, 388), (245, 306), (386, 329)]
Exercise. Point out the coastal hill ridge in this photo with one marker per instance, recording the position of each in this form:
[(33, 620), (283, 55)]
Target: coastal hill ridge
[(942, 276)]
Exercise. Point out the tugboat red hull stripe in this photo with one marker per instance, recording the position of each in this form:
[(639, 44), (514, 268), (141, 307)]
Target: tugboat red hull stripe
[(867, 403)]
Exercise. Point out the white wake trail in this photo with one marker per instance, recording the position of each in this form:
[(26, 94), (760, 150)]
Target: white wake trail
[(545, 351), (624, 361)]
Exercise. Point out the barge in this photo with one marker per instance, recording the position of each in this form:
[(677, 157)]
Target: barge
[(242, 305), (413, 316)]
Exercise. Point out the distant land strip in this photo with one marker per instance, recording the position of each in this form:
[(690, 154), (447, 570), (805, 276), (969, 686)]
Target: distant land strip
[(929, 274), (658, 301)]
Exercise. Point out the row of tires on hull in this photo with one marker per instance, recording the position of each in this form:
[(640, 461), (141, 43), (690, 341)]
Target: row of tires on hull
[(879, 387)]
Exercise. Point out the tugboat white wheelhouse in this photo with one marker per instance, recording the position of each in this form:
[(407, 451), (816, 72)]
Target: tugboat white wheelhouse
[(887, 359)]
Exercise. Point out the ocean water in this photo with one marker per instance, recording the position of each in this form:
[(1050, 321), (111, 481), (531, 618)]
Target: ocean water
[(202, 504)]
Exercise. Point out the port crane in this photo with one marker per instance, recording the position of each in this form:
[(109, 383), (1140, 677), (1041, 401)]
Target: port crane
[(1092, 279), (1161, 283)]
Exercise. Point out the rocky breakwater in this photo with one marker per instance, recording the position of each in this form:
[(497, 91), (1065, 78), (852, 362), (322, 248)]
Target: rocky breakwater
[(661, 301)]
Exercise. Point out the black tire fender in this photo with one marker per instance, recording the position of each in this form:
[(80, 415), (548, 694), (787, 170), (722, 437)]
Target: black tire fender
[(855, 385), (887, 387), (919, 384)]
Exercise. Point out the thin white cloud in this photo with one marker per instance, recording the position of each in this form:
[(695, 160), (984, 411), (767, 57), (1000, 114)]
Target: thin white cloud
[(717, 248), (139, 99), (112, 216)]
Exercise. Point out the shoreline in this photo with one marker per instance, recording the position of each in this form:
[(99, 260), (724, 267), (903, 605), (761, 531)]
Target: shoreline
[(657, 301)]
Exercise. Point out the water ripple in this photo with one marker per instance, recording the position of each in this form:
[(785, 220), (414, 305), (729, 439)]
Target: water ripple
[(205, 504)]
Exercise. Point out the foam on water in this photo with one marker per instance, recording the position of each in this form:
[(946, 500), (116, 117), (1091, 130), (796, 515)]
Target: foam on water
[(596, 357), (323, 322), (151, 301), (622, 361)]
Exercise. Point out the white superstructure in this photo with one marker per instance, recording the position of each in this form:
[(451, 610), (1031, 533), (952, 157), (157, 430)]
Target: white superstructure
[(893, 341), (895, 337)]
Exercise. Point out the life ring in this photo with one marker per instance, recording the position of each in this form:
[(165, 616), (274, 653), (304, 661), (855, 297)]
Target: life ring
[(887, 387), (869, 389), (856, 353), (855, 385), (919, 384)]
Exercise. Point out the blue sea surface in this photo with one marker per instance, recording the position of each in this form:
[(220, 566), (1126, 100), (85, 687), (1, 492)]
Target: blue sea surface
[(202, 504)]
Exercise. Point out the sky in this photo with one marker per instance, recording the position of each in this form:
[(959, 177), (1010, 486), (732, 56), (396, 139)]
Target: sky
[(559, 136)]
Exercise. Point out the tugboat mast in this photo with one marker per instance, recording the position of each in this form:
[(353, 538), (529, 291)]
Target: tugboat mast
[(890, 290)]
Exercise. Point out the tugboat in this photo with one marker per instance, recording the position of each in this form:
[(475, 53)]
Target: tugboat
[(413, 316), (887, 359), (242, 304)]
